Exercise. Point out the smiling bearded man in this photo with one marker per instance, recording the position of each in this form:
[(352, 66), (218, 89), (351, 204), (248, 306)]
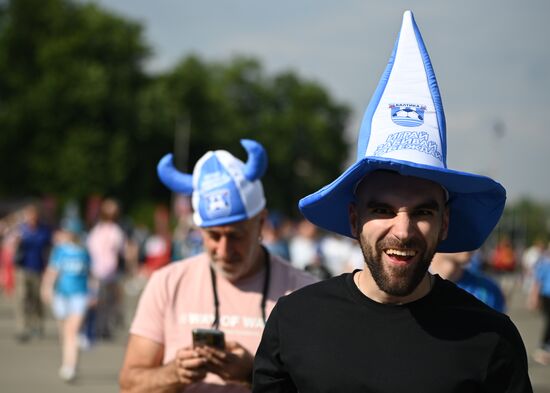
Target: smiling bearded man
[(393, 327), (398, 221)]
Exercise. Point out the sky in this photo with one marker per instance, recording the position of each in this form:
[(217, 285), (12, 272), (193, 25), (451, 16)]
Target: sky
[(491, 59)]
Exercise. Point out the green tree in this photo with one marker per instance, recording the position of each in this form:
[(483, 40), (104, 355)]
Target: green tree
[(69, 77), (524, 221)]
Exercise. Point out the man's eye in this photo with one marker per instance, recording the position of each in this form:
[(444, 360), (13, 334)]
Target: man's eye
[(214, 236), (235, 237), (424, 212), (381, 211)]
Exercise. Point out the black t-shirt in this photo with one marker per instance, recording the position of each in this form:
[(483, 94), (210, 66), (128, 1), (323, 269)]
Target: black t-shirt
[(329, 337)]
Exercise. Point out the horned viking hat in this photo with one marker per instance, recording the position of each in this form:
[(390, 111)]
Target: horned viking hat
[(403, 130), (224, 190)]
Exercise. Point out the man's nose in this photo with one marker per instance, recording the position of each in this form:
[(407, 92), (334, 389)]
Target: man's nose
[(402, 227), (223, 247)]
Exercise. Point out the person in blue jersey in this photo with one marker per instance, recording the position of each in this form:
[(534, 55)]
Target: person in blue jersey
[(455, 267), (65, 288), (540, 299)]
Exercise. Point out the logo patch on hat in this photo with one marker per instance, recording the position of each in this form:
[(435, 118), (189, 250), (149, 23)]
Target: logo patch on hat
[(407, 115), (218, 203)]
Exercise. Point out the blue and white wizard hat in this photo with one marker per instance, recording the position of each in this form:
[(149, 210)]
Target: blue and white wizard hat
[(224, 190), (403, 130)]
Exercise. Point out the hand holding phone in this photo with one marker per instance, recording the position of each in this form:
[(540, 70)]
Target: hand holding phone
[(190, 367)]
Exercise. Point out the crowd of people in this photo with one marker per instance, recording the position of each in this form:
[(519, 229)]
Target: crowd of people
[(75, 272), (79, 273)]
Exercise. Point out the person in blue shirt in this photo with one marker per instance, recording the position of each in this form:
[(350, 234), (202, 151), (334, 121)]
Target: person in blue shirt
[(455, 267), (65, 288), (540, 299), (33, 246)]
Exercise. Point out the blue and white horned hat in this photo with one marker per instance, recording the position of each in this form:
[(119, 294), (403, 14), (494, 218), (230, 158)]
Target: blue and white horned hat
[(224, 190), (403, 130)]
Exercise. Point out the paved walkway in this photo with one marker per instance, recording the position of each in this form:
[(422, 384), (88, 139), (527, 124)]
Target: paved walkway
[(32, 367)]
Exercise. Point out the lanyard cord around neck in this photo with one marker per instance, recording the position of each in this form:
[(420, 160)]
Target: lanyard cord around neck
[(265, 290)]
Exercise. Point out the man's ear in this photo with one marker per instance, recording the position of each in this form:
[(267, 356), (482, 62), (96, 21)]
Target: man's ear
[(352, 216)]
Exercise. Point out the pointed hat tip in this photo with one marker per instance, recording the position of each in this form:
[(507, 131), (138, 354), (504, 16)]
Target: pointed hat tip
[(408, 16)]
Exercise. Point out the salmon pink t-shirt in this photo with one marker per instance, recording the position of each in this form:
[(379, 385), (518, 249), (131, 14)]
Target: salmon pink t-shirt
[(105, 245), (179, 298)]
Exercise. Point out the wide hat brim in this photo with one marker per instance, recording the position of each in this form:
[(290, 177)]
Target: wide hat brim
[(476, 202)]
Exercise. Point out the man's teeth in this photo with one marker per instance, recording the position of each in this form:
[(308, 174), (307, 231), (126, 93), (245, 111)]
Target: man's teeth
[(401, 253)]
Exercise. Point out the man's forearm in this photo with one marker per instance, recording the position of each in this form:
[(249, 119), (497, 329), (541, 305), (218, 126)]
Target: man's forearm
[(163, 379)]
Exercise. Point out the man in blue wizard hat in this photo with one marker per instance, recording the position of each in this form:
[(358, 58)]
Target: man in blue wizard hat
[(393, 327)]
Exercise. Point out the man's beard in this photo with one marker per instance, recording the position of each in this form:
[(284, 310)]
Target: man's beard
[(400, 280)]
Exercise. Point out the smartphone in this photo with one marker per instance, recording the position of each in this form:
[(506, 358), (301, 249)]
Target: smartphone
[(209, 337)]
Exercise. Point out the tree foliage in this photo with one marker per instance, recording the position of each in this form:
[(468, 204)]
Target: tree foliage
[(524, 221), (80, 116), (69, 75)]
